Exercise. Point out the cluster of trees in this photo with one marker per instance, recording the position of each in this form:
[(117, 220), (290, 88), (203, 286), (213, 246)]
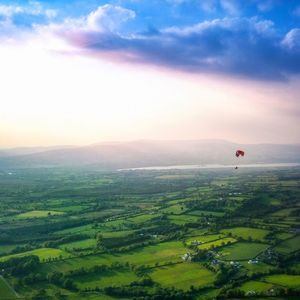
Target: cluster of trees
[(19, 266), (225, 274), (139, 293), (274, 292), (112, 243), (20, 249), (56, 278), (65, 239)]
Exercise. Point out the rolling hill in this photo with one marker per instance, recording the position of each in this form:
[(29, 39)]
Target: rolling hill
[(114, 155)]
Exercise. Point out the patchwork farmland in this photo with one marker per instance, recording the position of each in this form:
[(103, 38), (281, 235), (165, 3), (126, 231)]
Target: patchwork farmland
[(157, 234)]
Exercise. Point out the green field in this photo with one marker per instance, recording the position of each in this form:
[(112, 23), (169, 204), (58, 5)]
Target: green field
[(116, 234), (246, 232), (283, 212), (120, 235), (7, 248), (289, 245), (182, 219), (284, 280), (256, 286), (242, 251), (88, 243), (284, 235), (217, 243), (174, 209), (204, 238), (112, 278), (190, 274), (206, 213), (86, 229), (6, 292), (142, 218), (42, 253), (160, 253), (38, 214)]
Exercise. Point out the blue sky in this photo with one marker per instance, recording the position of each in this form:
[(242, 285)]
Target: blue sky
[(79, 72), (255, 38)]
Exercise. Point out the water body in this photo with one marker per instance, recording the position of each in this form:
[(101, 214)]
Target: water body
[(187, 167)]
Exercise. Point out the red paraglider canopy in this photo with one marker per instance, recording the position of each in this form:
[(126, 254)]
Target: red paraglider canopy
[(239, 153)]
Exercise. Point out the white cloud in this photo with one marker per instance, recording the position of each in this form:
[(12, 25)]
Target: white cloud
[(208, 5), (10, 10), (264, 5), (263, 27), (108, 17), (292, 39), (33, 8), (230, 6)]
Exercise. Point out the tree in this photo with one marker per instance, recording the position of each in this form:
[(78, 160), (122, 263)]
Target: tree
[(41, 294), (69, 284), (99, 241)]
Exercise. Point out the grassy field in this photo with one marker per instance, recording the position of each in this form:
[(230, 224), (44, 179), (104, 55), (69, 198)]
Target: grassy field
[(6, 248), (42, 253), (256, 286), (284, 280), (70, 208), (283, 212), (206, 213), (242, 251), (289, 246), (246, 232), (142, 218), (190, 274), (256, 268), (112, 278), (160, 253), (204, 238), (217, 243), (116, 234), (148, 223), (174, 209), (88, 243), (182, 219), (84, 229), (6, 292), (38, 214), (284, 235)]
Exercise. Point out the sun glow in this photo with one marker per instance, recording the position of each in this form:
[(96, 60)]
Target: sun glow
[(52, 95)]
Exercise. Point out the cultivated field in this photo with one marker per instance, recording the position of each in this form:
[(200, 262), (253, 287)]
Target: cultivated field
[(173, 234)]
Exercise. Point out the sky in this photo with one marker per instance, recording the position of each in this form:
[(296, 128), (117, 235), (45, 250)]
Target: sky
[(80, 72)]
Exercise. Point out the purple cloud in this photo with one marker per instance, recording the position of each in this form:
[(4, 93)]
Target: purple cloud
[(247, 47)]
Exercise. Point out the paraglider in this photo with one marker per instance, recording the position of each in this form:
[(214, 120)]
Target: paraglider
[(239, 153)]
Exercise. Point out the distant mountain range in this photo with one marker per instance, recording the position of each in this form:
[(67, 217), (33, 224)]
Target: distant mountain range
[(147, 153)]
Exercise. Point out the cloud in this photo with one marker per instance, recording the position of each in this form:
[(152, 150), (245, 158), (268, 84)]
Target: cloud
[(247, 47), (108, 17), (236, 46), (230, 6), (292, 40), (10, 10), (208, 5), (34, 8), (265, 5)]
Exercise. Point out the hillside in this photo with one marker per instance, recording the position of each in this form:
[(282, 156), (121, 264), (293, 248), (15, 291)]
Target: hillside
[(153, 153)]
